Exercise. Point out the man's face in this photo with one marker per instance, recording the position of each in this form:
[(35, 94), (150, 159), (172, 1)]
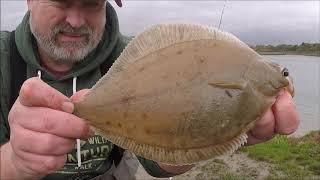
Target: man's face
[(67, 30)]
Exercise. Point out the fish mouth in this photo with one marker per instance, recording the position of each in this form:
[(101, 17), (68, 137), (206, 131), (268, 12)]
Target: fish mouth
[(290, 87)]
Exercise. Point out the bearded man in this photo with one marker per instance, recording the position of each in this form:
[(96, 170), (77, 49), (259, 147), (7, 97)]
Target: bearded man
[(68, 43)]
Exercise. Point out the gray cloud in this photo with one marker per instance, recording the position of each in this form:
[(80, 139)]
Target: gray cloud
[(255, 22)]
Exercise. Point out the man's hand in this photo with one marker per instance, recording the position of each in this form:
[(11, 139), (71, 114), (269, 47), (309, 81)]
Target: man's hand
[(282, 118), (43, 131)]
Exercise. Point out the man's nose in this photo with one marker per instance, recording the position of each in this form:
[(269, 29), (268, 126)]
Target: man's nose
[(75, 17)]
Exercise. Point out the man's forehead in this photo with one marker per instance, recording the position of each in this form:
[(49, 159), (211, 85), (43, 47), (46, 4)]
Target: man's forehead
[(92, 0), (87, 1), (81, 1), (119, 3)]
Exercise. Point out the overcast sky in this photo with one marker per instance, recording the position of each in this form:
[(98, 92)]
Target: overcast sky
[(254, 22)]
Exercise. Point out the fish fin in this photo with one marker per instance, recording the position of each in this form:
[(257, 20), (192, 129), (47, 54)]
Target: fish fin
[(161, 36), (176, 156), (229, 85)]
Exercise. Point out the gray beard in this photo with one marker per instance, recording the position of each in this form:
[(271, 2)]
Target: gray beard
[(60, 53)]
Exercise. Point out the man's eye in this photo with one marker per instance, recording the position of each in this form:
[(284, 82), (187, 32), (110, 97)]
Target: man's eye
[(58, 1), (93, 4)]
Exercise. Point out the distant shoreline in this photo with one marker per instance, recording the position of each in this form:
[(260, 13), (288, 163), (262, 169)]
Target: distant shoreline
[(305, 49), (291, 53)]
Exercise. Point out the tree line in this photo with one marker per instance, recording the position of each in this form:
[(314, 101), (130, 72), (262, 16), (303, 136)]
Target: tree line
[(303, 48)]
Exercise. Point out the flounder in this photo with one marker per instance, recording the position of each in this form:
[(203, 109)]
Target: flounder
[(183, 93)]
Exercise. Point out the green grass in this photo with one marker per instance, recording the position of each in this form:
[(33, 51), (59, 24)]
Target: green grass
[(294, 158)]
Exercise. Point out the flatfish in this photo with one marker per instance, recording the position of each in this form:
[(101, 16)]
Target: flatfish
[(183, 93)]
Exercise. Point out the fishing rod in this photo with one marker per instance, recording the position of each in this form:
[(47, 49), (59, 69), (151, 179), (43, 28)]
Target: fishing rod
[(222, 12)]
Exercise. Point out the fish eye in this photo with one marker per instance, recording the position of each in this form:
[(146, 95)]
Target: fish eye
[(285, 72)]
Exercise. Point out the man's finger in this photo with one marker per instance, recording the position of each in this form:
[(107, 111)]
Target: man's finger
[(252, 139), (263, 129), (41, 143), (55, 122), (39, 164), (286, 115), (79, 95), (34, 92)]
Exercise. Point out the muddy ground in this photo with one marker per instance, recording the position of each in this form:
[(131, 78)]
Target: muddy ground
[(235, 166)]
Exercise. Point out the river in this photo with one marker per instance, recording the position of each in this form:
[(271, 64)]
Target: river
[(305, 71)]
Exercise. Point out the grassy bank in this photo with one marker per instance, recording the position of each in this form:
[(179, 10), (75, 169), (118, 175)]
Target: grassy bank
[(294, 158), (280, 158)]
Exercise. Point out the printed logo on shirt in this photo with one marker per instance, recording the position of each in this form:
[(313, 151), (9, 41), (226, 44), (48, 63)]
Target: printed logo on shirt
[(94, 153)]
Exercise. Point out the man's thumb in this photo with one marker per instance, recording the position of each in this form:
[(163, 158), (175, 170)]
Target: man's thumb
[(79, 95)]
